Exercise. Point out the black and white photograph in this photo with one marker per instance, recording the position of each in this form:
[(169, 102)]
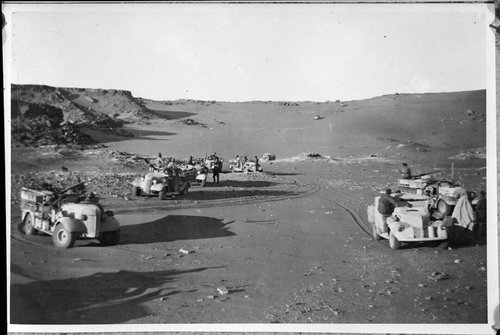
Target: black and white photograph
[(251, 167)]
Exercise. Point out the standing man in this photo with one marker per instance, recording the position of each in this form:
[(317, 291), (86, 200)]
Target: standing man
[(256, 163), (405, 171), (386, 205), (216, 170)]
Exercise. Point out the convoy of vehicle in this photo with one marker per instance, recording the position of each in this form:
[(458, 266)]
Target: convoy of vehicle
[(68, 215)]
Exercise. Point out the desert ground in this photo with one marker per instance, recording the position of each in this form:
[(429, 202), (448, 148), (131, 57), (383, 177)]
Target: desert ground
[(289, 245)]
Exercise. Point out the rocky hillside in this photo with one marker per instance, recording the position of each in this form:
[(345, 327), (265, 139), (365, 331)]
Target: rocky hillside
[(44, 115)]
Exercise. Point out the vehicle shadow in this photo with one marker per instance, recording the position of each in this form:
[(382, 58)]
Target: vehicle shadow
[(100, 298), (173, 228)]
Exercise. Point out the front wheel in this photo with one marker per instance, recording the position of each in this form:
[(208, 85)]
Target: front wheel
[(375, 235), (109, 237), (27, 226), (394, 242), (63, 238)]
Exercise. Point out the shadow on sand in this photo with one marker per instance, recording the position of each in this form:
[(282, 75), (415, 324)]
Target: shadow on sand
[(170, 115), (100, 298), (103, 137), (173, 228)]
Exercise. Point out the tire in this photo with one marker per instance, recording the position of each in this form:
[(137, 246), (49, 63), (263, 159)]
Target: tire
[(203, 183), (62, 238), (161, 195), (444, 208), (110, 237), (232, 169), (376, 236), (394, 242), (185, 191), (136, 191), (27, 226)]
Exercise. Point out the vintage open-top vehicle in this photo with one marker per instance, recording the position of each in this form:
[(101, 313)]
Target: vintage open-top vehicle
[(67, 217), (442, 194), (410, 221), (196, 175), (160, 184)]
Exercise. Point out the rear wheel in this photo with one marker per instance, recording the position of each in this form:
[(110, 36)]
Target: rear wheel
[(394, 242), (161, 195), (109, 237), (444, 208), (27, 226), (63, 238)]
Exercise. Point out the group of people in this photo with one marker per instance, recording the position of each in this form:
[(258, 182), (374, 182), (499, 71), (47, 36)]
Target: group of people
[(162, 163), (240, 161), (159, 163)]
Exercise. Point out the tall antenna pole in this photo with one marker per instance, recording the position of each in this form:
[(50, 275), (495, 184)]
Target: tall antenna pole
[(451, 171)]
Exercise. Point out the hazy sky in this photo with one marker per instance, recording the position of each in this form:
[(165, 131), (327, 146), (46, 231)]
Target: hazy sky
[(238, 52)]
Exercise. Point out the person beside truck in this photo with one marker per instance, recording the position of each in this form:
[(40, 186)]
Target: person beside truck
[(386, 206)]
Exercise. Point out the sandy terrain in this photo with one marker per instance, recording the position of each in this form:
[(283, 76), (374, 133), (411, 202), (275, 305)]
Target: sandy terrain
[(290, 245)]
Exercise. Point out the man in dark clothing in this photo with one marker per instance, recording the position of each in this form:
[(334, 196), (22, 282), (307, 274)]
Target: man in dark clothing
[(216, 170), (386, 205), (405, 171)]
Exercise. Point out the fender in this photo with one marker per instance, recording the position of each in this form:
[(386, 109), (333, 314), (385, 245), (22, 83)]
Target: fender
[(449, 200), (401, 230), (185, 185), (72, 225), (136, 182), (156, 187), (110, 223)]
